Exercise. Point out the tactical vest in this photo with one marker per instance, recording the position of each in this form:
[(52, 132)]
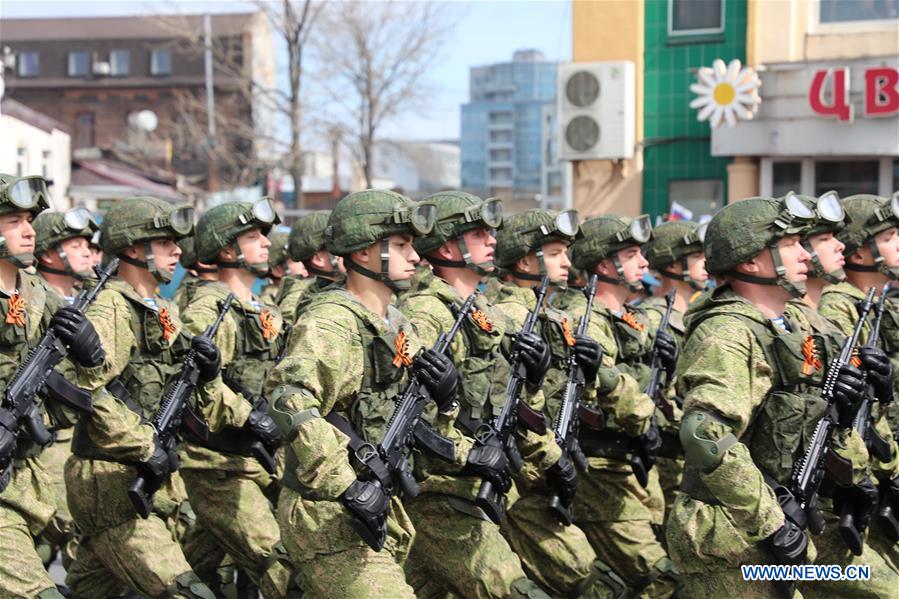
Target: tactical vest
[(634, 339), (255, 355), (784, 422), (369, 410)]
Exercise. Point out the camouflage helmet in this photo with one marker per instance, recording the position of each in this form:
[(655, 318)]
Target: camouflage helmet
[(277, 254), (869, 215), (307, 236), (367, 217), (141, 220), (829, 218), (603, 237), (672, 242), (21, 193), (51, 228), (457, 213), (740, 231), (221, 225), (188, 247), (528, 232)]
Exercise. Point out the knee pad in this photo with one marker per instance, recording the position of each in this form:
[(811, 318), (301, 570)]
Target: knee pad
[(190, 586), (526, 589), (603, 581)]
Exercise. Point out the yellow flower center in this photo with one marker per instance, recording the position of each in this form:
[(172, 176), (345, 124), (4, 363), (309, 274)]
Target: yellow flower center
[(724, 94)]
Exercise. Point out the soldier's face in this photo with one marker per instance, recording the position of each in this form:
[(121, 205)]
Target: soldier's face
[(696, 267), (794, 257), (829, 250), (555, 257), (16, 228), (78, 252), (96, 256), (403, 258), (165, 253), (888, 246), (296, 268), (632, 262), (254, 246), (481, 244)]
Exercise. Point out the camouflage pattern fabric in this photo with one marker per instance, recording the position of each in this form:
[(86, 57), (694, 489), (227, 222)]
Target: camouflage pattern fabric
[(186, 290), (292, 289)]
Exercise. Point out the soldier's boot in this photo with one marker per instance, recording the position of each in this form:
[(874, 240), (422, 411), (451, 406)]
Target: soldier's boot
[(663, 581), (52, 593), (524, 588), (189, 586), (602, 583)]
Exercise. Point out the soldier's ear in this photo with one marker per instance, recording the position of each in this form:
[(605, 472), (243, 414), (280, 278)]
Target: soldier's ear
[(445, 251), (749, 267), (364, 256), (226, 254), (523, 264)]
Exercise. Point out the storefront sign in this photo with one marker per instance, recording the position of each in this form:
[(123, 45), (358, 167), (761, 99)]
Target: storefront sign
[(881, 93)]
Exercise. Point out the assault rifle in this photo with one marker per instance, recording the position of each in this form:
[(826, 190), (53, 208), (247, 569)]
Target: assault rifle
[(167, 421), (643, 452), (36, 376), (566, 425), (799, 499), (387, 461), (490, 500)]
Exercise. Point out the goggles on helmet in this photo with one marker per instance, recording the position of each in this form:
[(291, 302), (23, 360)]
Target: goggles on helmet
[(889, 211), (640, 230), (262, 210), (27, 192), (77, 219), (697, 236), (420, 217), (180, 220), (490, 212), (829, 207), (794, 215)]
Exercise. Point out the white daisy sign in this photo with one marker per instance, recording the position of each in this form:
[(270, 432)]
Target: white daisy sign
[(726, 93)]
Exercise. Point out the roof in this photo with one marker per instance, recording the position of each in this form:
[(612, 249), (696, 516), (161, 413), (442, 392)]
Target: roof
[(131, 27), (117, 179), (17, 110)]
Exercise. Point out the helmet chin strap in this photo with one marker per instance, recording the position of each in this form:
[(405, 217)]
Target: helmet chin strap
[(260, 269), (482, 268), (794, 289), (23, 260), (891, 272), (148, 264), (334, 274), (684, 276), (834, 276), (384, 275), (69, 271)]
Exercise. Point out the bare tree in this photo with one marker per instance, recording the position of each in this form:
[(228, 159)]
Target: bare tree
[(371, 59)]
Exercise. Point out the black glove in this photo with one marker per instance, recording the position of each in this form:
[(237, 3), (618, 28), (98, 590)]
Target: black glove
[(588, 354), (848, 391), (652, 440), (261, 425), (488, 460), (7, 445), (879, 369), (368, 503), (437, 373), (860, 500), (156, 470), (667, 351), (788, 544), (77, 332), (534, 355), (209, 359), (562, 477)]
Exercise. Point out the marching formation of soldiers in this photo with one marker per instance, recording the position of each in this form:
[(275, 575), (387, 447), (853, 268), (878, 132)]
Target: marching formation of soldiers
[(430, 399)]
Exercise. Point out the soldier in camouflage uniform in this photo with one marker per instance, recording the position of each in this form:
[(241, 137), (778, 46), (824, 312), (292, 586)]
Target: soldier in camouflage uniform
[(619, 515), (751, 399), (228, 488), (28, 496), (142, 335), (347, 360), (307, 246), (63, 261), (871, 250), (197, 273), (458, 548), (675, 253), (281, 267), (531, 245)]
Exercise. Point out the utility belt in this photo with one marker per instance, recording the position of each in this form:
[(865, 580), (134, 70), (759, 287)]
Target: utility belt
[(605, 444), (230, 441)]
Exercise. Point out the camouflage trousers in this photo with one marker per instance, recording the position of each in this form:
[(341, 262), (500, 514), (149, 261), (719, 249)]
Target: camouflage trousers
[(559, 558), (119, 550), (234, 509), (620, 519), (59, 535), (670, 473), (331, 560), (460, 554), (22, 573), (884, 547)]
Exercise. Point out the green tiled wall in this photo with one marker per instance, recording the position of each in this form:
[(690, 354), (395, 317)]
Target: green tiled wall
[(676, 145)]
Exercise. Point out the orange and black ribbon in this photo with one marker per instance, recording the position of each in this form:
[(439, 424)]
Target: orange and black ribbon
[(482, 321), (165, 320), (632, 322), (16, 314), (267, 321), (810, 353), (566, 331), (401, 357)]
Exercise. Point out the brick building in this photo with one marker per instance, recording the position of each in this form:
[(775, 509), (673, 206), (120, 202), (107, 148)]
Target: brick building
[(94, 74)]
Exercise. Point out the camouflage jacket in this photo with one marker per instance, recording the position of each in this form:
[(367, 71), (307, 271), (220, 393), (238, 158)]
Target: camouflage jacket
[(654, 309), (292, 288)]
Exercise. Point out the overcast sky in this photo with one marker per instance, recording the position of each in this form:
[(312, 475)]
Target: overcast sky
[(488, 31)]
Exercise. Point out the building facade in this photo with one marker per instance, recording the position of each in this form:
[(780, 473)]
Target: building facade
[(96, 74), (504, 135)]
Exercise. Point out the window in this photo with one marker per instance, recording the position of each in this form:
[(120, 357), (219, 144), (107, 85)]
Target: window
[(119, 63), (846, 178), (79, 64), (45, 164), (690, 17), (842, 11), (84, 130), (701, 196), (161, 62), (29, 64), (896, 175), (786, 176)]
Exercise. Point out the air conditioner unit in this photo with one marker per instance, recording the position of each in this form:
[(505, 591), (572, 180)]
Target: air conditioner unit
[(101, 69), (595, 107)]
